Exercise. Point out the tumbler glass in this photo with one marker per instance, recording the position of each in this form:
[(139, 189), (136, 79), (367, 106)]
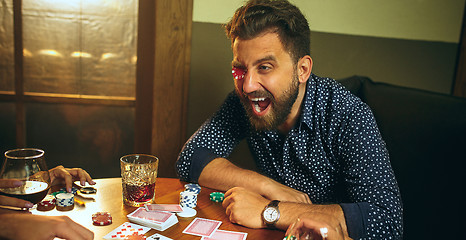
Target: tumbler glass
[(138, 177)]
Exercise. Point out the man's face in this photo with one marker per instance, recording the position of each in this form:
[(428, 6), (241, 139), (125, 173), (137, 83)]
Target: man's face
[(270, 84)]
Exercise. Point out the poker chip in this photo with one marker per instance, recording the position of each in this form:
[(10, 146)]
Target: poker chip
[(73, 190), (192, 187), (187, 212), (101, 218), (217, 197), (88, 190), (47, 204), (58, 192), (135, 236), (64, 201), (188, 199), (238, 73)]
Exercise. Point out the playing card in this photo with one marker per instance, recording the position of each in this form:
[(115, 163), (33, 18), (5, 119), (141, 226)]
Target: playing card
[(156, 216), (202, 227), (154, 219), (164, 207), (226, 235), (158, 237), (126, 229)]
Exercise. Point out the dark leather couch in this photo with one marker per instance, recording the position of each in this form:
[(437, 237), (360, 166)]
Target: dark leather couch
[(425, 134)]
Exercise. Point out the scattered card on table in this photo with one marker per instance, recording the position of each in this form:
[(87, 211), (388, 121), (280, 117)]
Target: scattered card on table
[(126, 229), (164, 207), (202, 227), (158, 237), (226, 235)]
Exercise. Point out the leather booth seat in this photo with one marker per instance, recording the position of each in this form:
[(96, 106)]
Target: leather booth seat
[(425, 134)]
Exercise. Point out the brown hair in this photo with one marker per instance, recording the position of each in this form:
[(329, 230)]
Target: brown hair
[(280, 16)]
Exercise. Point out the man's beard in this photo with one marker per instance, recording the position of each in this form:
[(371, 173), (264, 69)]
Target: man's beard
[(279, 109)]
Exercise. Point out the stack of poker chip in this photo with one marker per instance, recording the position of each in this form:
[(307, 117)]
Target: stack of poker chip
[(47, 204), (73, 190), (192, 187), (188, 198), (102, 218), (64, 201), (217, 197)]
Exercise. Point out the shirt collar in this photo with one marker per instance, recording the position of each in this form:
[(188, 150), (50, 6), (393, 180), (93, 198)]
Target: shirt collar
[(308, 103), (306, 112)]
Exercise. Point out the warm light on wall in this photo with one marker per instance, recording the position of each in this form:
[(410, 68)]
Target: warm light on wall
[(27, 53), (49, 52), (106, 56), (78, 54)]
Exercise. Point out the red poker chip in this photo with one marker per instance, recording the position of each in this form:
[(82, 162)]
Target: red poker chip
[(238, 73), (47, 204), (135, 236), (102, 218)]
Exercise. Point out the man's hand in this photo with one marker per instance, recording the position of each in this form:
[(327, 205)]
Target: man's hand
[(11, 201), (69, 175), (245, 207), (273, 190), (29, 226), (316, 225)]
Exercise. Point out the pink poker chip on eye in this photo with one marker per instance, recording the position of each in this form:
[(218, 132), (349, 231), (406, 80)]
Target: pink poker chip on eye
[(238, 73)]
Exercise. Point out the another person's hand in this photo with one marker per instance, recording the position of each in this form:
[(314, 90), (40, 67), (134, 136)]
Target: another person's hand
[(244, 207), (69, 175), (315, 226), (29, 226), (11, 201), (275, 191)]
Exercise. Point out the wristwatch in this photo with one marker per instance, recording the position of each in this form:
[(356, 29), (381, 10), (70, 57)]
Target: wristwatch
[(271, 214)]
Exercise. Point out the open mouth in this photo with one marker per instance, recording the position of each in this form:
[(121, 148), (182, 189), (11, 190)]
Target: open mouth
[(260, 105)]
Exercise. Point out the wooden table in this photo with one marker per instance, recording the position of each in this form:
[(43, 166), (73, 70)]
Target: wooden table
[(109, 199)]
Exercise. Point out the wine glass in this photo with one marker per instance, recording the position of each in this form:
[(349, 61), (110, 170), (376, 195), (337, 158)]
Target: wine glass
[(27, 165)]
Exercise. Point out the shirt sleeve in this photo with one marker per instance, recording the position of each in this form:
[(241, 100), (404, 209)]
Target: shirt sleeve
[(216, 138), (371, 187)]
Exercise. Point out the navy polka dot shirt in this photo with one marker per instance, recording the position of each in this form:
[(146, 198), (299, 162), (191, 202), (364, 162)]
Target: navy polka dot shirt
[(334, 153)]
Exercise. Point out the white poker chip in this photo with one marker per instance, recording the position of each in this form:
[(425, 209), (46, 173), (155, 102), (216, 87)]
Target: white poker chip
[(187, 212), (64, 199)]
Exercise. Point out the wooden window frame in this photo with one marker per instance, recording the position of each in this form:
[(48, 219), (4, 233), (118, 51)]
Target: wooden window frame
[(162, 77)]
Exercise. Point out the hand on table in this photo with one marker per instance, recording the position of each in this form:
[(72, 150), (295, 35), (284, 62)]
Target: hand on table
[(28, 226), (244, 207), (315, 225), (69, 175)]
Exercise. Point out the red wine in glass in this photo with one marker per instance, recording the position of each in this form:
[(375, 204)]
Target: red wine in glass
[(27, 165), (32, 191)]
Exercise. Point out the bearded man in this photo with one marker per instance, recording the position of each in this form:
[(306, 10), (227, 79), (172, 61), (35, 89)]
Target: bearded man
[(317, 147)]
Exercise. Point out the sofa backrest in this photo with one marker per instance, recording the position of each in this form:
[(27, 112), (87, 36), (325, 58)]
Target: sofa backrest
[(425, 133)]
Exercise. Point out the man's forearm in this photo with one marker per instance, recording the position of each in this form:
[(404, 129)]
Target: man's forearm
[(221, 174)]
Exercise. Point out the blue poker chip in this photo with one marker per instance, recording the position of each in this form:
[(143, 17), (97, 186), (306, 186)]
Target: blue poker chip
[(73, 190), (192, 187)]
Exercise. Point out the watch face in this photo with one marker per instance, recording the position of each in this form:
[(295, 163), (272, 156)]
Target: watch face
[(271, 214)]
